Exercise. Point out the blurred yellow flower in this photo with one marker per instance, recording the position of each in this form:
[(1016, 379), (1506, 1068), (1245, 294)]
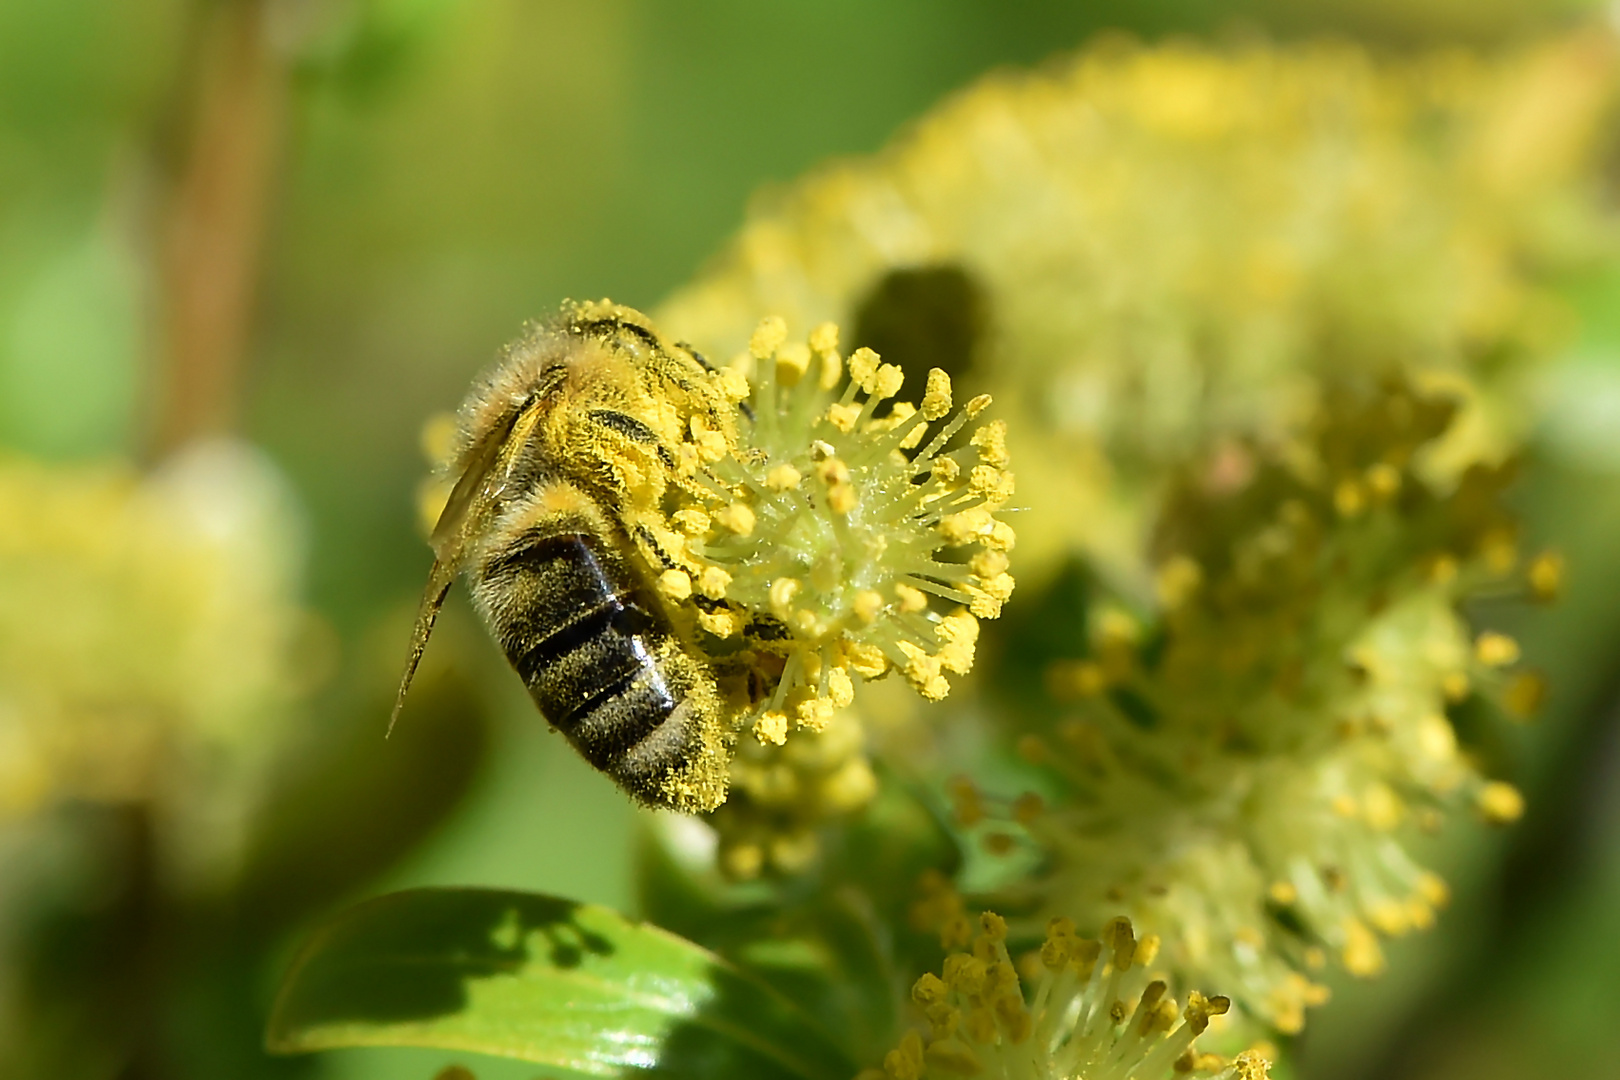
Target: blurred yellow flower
[(149, 639)]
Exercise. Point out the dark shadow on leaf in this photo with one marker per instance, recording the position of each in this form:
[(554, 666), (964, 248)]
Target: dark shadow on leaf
[(386, 962)]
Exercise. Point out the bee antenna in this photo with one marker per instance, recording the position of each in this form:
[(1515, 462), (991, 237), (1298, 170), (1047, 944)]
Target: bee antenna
[(438, 587)]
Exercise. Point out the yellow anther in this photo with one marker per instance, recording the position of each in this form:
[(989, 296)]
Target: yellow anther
[(792, 361), (840, 688), (1069, 680), (865, 660), (713, 582), (737, 518), (887, 383), (1361, 954), (1120, 940), (771, 728), (734, 385), (989, 564), (722, 623), (867, 605), (911, 600), (691, 521), (781, 594), (863, 366), (783, 477), (675, 585), (1546, 576), (1500, 803), (993, 925), (767, 337), (977, 405), (1283, 893), (1383, 480), (936, 400), (945, 470), (991, 441), (814, 714), (1524, 694), (1027, 807), (824, 338), (1349, 498), (841, 498), (1496, 650), (929, 990), (843, 417)]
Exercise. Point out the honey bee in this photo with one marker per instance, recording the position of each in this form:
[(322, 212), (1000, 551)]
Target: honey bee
[(563, 458)]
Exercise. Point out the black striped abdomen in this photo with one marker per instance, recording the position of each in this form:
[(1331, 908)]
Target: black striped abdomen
[(595, 653)]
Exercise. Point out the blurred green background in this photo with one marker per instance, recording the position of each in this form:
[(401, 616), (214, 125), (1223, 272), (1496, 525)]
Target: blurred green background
[(386, 191)]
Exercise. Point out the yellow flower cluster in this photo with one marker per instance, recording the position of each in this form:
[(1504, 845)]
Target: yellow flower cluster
[(782, 795), (1097, 1012), (1241, 769), (150, 640), (1168, 246), (843, 538)]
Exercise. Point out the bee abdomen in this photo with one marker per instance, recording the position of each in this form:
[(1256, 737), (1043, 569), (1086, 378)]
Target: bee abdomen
[(596, 657)]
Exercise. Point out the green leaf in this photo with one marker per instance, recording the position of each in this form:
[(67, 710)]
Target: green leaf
[(574, 986)]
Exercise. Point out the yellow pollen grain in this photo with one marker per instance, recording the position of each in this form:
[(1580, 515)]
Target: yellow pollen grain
[(737, 518), (1496, 650), (771, 729), (767, 337), (783, 477), (713, 582), (911, 600), (867, 605), (675, 585), (1500, 803)]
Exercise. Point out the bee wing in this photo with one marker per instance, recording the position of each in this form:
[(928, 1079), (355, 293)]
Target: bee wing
[(464, 514)]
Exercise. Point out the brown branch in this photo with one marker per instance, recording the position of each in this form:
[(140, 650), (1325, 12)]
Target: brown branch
[(211, 236)]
